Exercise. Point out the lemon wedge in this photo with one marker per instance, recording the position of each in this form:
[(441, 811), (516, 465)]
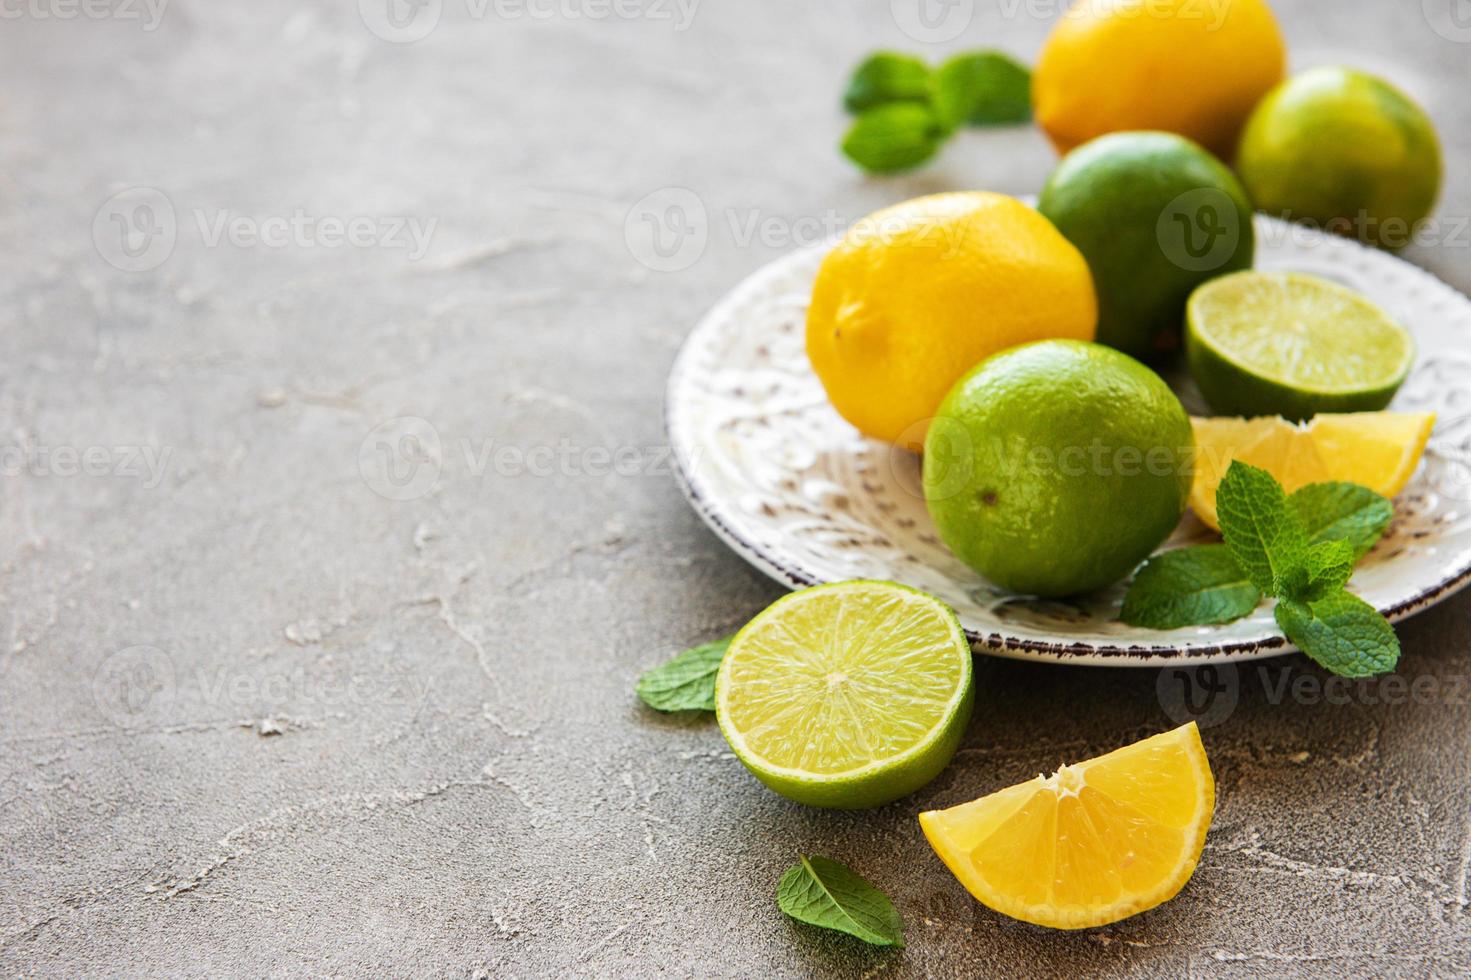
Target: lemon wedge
[(1378, 450), (1092, 843)]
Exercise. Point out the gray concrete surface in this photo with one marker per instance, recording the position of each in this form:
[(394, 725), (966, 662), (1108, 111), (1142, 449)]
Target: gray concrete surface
[(268, 707)]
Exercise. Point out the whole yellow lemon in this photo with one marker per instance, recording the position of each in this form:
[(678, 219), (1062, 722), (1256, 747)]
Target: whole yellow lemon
[(917, 294), (1193, 67)]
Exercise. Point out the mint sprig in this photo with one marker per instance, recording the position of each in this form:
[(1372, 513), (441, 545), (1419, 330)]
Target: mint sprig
[(822, 892), (1298, 549), (685, 683), (906, 111)]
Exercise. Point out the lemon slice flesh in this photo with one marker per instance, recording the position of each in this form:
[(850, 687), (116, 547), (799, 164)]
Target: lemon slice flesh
[(1091, 844), (1378, 450)]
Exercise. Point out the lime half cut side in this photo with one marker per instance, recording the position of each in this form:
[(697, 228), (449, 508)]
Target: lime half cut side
[(1289, 344), (847, 695)]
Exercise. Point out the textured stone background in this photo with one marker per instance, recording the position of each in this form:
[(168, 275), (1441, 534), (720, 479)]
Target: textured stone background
[(256, 716)]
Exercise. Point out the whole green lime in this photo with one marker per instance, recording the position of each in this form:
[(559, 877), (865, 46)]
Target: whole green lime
[(1344, 150), (1155, 215), (1056, 467)]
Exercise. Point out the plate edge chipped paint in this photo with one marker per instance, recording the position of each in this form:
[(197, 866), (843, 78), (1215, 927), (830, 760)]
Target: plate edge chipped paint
[(1281, 246)]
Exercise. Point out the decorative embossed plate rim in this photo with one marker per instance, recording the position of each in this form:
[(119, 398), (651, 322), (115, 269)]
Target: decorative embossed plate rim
[(777, 475)]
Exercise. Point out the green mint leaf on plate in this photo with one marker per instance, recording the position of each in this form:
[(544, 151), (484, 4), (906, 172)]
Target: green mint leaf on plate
[(824, 893), (1325, 569), (1264, 534), (894, 137), (1189, 587), (884, 77), (1341, 632), (1342, 512), (983, 88), (686, 683)]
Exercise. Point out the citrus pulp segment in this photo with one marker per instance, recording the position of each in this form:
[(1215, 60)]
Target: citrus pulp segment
[(1378, 450)]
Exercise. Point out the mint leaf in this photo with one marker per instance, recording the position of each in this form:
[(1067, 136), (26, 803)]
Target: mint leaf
[(983, 88), (1342, 512), (884, 77), (1189, 587), (686, 683), (1264, 534), (1342, 633), (1325, 569), (824, 893), (894, 137)]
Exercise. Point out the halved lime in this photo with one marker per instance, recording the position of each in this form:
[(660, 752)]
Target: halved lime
[(1289, 344), (847, 695)]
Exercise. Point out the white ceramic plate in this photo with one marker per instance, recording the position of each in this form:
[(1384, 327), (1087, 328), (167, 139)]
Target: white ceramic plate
[(800, 494)]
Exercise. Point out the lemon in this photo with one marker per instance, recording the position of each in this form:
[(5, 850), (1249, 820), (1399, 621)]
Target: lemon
[(916, 294), (1183, 66), (1346, 151), (1056, 467), (1091, 844), (1378, 450), (1284, 343), (847, 695), (1155, 215)]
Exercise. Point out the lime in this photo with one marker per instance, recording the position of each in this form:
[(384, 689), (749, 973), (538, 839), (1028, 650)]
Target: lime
[(1343, 150), (1288, 344), (1155, 215), (1054, 468), (847, 695)]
